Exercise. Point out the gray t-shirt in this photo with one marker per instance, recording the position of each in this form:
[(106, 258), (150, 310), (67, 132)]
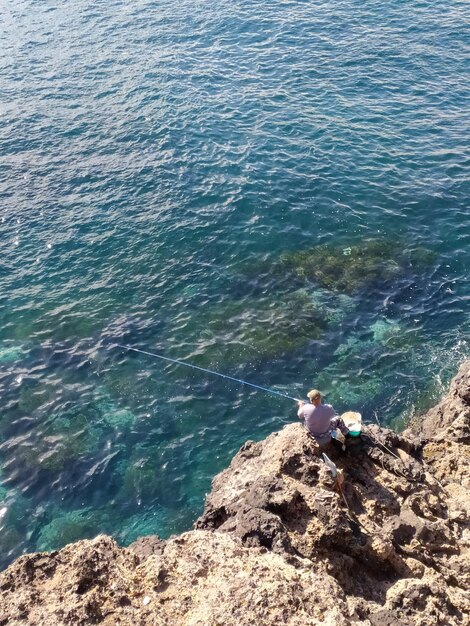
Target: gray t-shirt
[(318, 418)]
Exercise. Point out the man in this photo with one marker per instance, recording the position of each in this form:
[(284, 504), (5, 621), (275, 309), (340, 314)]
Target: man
[(320, 419)]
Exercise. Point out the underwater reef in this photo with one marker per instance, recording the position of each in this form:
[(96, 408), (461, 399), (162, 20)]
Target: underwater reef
[(280, 306), (70, 526), (65, 438), (10, 353), (367, 364), (347, 269), (282, 540), (258, 328), (112, 415)]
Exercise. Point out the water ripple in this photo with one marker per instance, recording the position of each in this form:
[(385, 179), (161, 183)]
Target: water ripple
[(157, 160)]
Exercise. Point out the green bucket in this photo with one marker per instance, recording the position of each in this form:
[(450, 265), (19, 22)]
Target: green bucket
[(353, 421)]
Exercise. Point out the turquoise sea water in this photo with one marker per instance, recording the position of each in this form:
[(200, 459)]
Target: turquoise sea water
[(274, 190)]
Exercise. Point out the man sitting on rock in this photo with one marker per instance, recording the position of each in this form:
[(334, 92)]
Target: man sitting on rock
[(320, 419)]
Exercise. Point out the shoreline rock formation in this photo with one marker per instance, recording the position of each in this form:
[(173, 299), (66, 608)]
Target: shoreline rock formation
[(282, 542)]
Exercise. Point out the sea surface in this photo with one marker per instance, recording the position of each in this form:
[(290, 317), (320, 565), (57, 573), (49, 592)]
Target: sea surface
[(277, 191)]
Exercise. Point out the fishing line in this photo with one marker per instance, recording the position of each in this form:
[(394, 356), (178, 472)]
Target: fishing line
[(203, 369)]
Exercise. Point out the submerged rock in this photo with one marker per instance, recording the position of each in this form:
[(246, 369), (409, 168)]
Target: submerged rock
[(251, 329), (67, 438), (10, 354), (32, 397), (335, 306), (347, 381), (148, 475), (13, 510), (68, 527), (352, 268), (281, 542), (143, 525), (356, 392), (118, 418), (362, 369), (384, 330)]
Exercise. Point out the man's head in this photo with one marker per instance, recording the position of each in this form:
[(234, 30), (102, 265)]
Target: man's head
[(314, 396)]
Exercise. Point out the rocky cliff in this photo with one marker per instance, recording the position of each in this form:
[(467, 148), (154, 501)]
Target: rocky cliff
[(281, 541)]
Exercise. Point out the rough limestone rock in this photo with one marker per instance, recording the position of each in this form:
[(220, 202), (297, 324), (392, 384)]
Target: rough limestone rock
[(281, 541), (199, 578)]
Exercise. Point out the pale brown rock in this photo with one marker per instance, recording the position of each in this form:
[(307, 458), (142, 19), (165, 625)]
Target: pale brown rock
[(198, 578), (282, 542)]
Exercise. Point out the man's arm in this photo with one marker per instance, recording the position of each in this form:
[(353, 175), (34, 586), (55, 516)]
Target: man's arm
[(300, 414)]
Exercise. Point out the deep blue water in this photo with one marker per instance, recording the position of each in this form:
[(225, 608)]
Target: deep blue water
[(157, 159)]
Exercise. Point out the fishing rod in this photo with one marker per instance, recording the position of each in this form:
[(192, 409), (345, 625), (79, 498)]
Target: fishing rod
[(203, 369)]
